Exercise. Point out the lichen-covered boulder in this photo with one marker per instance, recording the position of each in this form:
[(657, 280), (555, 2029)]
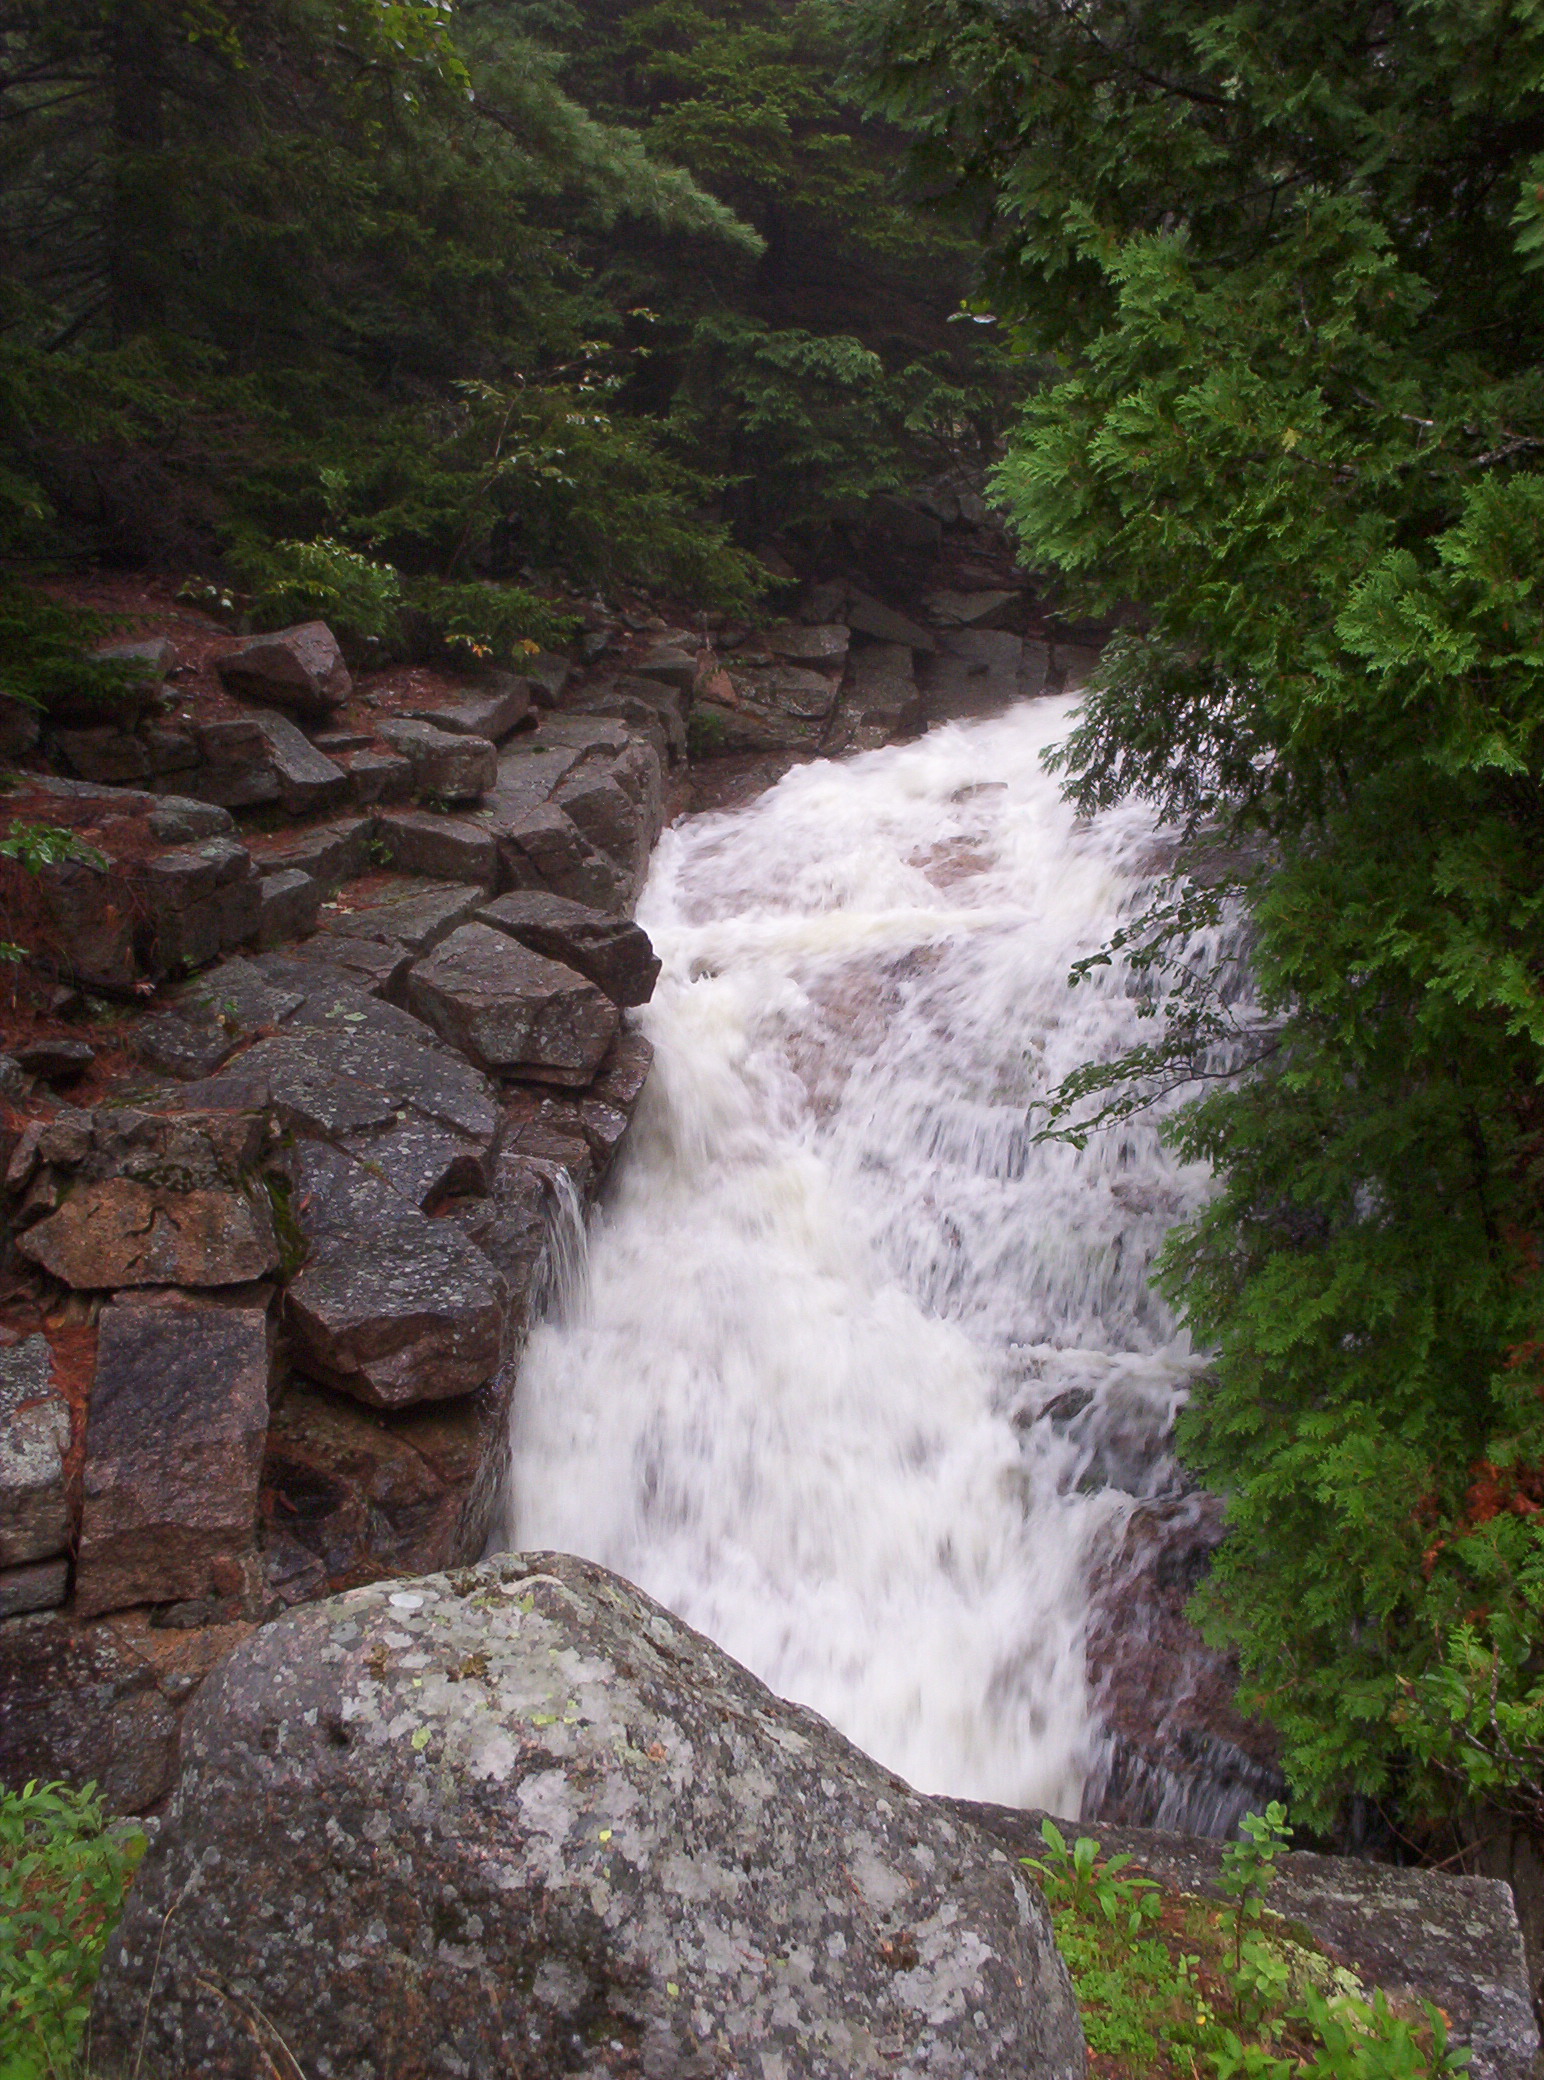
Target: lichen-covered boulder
[(521, 1820)]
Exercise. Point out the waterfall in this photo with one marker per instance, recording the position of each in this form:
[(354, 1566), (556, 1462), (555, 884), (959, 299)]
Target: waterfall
[(863, 1378)]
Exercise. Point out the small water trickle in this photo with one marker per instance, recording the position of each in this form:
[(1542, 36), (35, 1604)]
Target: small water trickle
[(863, 1377)]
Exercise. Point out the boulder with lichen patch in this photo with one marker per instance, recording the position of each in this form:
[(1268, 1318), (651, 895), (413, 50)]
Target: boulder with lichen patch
[(523, 1820)]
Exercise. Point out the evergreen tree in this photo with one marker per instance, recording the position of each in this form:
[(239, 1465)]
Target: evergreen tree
[(1286, 265)]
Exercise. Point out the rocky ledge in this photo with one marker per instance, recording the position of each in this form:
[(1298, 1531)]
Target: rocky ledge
[(370, 1062)]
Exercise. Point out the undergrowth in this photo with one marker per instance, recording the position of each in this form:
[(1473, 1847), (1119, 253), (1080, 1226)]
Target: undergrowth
[(1175, 1987), (64, 1873)]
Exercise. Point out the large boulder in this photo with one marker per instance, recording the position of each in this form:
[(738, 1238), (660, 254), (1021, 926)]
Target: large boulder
[(298, 668), (522, 1820)]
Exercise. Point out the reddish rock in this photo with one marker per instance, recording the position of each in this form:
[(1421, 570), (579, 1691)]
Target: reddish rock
[(119, 1232), (76, 1704), (511, 1009), (40, 1586), (174, 1447), (298, 668)]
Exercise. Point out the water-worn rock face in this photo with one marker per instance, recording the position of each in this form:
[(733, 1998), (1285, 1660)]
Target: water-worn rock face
[(522, 1820)]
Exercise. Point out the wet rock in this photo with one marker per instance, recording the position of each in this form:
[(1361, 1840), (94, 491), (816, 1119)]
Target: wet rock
[(308, 780), (174, 1447), (43, 1586), (1176, 1752), (207, 1020), (603, 812), (786, 690), (378, 776), (391, 1308), (1073, 665), (300, 669), (670, 665), (798, 643), (493, 714), (612, 951), (157, 655), (350, 1486), (455, 767), (416, 914), (34, 1445), (93, 915), (529, 769), (332, 852), (118, 1232), (170, 747), (970, 609), (377, 965), (548, 675), (288, 904), (235, 770), (20, 727), (555, 1813), (203, 900), (511, 1009), (545, 849), (624, 1072), (980, 672), (113, 756), (868, 617), (656, 711), (179, 820), (57, 1061), (443, 847), (76, 1703)]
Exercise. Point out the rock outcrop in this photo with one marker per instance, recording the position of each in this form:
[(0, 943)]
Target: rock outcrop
[(522, 1819)]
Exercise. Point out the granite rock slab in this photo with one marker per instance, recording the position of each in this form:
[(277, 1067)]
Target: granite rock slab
[(476, 1821)]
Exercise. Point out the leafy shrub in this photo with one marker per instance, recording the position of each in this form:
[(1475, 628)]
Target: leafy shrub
[(64, 1874), (1169, 1986), (323, 580), (489, 624)]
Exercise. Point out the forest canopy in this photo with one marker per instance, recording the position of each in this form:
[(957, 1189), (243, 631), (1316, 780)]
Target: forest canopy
[(361, 301), (1289, 263)]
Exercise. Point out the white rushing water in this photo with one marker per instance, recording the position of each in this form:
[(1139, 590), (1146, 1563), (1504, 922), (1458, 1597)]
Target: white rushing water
[(861, 1376)]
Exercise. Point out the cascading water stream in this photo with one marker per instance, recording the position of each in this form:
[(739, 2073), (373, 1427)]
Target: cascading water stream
[(861, 1377)]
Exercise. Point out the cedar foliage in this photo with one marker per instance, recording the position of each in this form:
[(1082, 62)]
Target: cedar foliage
[(1288, 263)]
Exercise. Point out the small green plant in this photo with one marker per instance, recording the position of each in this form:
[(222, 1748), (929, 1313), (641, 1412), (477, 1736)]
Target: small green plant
[(1170, 1986), (65, 1870), (38, 845), (1259, 1972), (705, 733)]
